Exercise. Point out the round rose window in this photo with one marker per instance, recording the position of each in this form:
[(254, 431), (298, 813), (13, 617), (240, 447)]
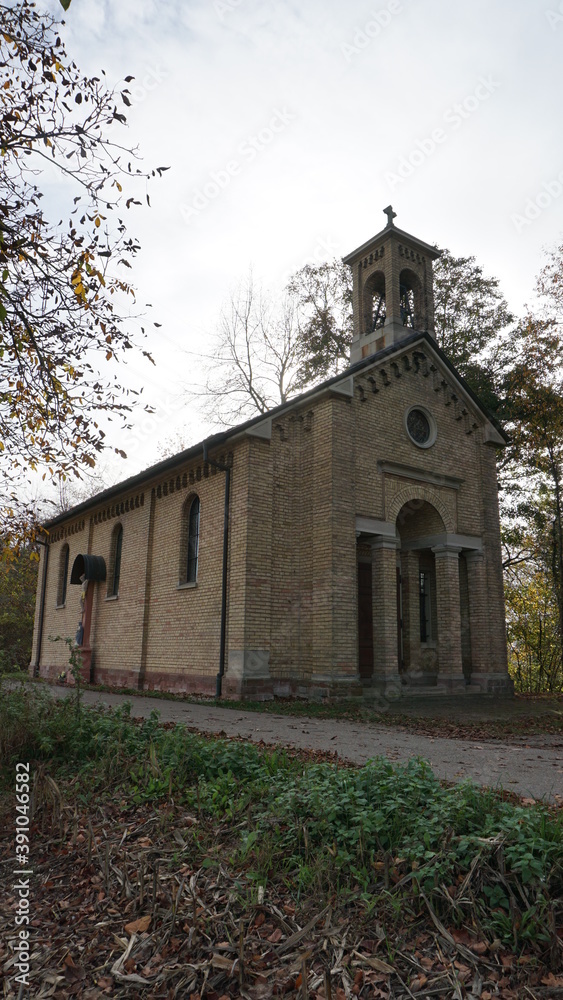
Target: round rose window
[(418, 426), (421, 427)]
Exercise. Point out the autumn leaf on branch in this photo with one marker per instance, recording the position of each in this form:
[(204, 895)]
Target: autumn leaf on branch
[(62, 299)]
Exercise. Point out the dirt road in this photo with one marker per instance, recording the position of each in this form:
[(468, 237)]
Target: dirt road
[(534, 771)]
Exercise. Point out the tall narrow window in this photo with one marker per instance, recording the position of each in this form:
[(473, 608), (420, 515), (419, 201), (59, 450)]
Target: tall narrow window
[(425, 607), (115, 561), (193, 541), (63, 576)]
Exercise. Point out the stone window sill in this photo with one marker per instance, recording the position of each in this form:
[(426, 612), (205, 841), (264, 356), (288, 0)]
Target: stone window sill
[(186, 586), (112, 597), (431, 644), (58, 607)]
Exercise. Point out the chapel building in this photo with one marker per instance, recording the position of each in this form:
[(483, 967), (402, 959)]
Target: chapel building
[(345, 544)]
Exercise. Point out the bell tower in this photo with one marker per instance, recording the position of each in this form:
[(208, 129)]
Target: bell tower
[(392, 293)]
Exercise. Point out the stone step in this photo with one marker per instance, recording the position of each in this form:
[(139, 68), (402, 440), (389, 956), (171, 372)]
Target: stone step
[(415, 692), (423, 690)]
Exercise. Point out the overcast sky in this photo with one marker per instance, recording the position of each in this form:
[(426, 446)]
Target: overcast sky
[(289, 127)]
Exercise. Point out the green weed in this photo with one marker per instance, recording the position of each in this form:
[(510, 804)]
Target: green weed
[(388, 835)]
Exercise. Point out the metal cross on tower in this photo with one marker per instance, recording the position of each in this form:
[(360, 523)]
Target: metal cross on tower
[(390, 214)]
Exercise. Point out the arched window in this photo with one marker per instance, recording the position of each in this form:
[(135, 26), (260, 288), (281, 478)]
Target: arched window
[(63, 576), (193, 541), (374, 303), (411, 300), (115, 560), (189, 541)]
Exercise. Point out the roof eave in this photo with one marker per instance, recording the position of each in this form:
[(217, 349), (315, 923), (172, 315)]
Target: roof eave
[(432, 252)]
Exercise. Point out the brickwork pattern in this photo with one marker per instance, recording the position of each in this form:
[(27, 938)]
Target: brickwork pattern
[(449, 624)]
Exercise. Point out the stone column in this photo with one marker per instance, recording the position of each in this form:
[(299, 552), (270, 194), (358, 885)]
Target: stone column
[(450, 667), (385, 658), (410, 564), (478, 621)]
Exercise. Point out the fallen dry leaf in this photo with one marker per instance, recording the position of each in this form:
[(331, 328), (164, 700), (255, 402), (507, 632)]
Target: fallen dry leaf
[(551, 980), (138, 926), (375, 963), (479, 947), (418, 983)]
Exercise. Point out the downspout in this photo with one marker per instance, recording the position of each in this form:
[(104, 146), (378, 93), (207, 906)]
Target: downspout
[(37, 663), (223, 641), (148, 581)]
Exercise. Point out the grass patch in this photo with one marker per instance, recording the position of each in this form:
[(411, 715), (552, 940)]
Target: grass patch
[(386, 835)]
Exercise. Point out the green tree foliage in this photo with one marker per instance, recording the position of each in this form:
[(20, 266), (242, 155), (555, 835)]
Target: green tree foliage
[(533, 388), (532, 619), (471, 320), (18, 581), (63, 282), (322, 298)]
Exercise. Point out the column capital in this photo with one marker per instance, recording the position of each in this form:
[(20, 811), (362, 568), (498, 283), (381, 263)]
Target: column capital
[(440, 551), (474, 555), (384, 542)]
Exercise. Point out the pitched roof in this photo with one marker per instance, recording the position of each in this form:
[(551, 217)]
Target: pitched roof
[(217, 440), (392, 230)]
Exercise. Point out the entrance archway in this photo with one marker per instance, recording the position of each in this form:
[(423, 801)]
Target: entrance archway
[(409, 598), (417, 521)]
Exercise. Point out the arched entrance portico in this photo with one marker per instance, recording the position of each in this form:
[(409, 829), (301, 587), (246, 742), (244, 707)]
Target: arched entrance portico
[(424, 626), (412, 576)]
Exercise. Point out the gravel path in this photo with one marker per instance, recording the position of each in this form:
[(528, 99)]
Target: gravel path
[(531, 771)]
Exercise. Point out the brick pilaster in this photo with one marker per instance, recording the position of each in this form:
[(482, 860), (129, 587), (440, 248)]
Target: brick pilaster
[(450, 667), (385, 646), (478, 614)]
